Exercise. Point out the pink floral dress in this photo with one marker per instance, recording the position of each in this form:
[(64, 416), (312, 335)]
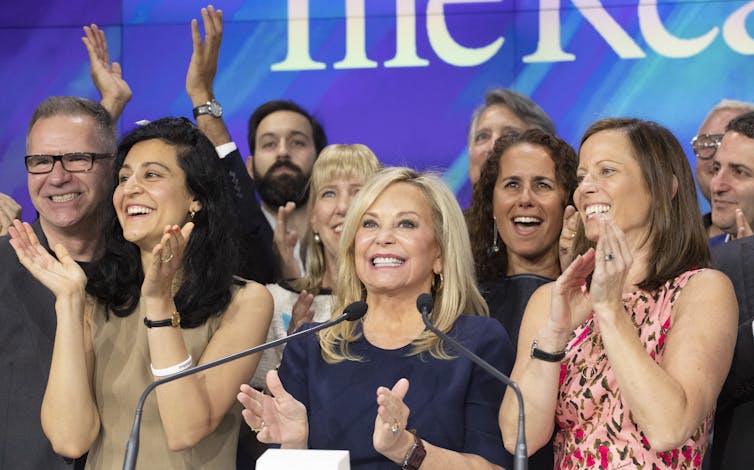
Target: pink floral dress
[(596, 429)]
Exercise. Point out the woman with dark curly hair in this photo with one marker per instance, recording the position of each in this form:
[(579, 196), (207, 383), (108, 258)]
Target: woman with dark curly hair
[(161, 299), (515, 219)]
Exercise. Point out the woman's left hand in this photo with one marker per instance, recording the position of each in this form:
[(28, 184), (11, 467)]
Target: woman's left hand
[(612, 262), (391, 421), (167, 257)]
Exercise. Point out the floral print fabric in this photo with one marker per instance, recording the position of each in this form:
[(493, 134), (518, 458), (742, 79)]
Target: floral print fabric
[(595, 426)]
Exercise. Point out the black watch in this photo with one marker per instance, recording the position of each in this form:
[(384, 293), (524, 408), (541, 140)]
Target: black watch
[(174, 321), (537, 353), (211, 108)]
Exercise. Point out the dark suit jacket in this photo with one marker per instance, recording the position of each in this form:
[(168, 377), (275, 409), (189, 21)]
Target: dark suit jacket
[(257, 260), (733, 442)]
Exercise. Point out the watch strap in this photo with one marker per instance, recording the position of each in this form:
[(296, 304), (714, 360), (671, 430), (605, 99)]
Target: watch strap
[(211, 108), (415, 455), (537, 353), (174, 321)]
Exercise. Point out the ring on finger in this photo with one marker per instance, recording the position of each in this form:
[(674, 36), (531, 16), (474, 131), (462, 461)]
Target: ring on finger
[(395, 428), (609, 257), (261, 426), (167, 258)]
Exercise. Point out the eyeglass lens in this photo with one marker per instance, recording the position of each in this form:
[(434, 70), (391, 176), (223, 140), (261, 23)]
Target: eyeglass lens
[(705, 145), (72, 162)]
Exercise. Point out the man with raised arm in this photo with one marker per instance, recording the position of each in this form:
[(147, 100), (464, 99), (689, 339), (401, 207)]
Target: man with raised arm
[(284, 141)]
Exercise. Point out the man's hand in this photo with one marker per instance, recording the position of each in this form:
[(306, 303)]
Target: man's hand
[(9, 210), (203, 64), (107, 77), (743, 227)]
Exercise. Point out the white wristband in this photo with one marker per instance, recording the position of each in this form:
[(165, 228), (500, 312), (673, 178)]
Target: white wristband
[(172, 369)]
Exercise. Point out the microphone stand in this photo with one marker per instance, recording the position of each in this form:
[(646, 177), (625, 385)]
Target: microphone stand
[(132, 447), (520, 459)]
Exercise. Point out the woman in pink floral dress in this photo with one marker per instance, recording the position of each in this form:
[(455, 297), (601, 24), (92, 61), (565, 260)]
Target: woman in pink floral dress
[(627, 351)]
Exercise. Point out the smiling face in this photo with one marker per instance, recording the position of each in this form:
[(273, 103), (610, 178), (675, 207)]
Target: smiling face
[(395, 250), (67, 201), (611, 184), (151, 193), (329, 211), (528, 203), (733, 183), (494, 122)]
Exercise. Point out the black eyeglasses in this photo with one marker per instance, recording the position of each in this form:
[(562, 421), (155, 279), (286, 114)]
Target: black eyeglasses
[(705, 145), (78, 162)]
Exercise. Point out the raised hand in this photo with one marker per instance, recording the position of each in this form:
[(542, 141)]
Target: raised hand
[(277, 419), (392, 417), (284, 240), (167, 257), (302, 311), (568, 236), (9, 210), (63, 276), (203, 64), (107, 77)]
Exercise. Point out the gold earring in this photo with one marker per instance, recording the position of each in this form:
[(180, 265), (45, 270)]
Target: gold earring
[(192, 214)]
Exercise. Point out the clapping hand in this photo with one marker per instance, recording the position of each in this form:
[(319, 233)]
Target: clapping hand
[(167, 257), (9, 210), (284, 240), (612, 261), (63, 276), (568, 236), (278, 419), (743, 228), (302, 311), (392, 418)]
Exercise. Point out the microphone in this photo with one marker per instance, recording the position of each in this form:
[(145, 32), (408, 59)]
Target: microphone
[(425, 303), (352, 312)]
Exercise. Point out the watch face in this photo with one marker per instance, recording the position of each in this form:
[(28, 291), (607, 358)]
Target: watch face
[(214, 109)]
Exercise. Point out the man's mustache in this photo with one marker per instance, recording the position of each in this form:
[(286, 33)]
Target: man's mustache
[(285, 164)]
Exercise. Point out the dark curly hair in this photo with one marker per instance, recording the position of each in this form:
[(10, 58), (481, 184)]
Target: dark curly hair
[(491, 266), (209, 260)]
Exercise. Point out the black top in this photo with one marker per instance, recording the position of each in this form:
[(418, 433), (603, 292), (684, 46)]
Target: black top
[(27, 334)]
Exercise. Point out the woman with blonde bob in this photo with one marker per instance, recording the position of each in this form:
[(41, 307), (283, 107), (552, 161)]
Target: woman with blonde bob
[(404, 235)]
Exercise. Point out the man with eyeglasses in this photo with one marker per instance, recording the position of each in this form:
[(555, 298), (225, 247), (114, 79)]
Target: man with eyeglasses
[(705, 144), (70, 143)]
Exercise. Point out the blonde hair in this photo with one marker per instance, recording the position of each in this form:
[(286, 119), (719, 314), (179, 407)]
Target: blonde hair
[(336, 161), (457, 294)]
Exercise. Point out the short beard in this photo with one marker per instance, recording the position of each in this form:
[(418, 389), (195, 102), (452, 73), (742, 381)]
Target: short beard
[(277, 190)]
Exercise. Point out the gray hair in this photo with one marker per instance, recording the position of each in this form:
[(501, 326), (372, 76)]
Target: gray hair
[(75, 106), (519, 104)]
